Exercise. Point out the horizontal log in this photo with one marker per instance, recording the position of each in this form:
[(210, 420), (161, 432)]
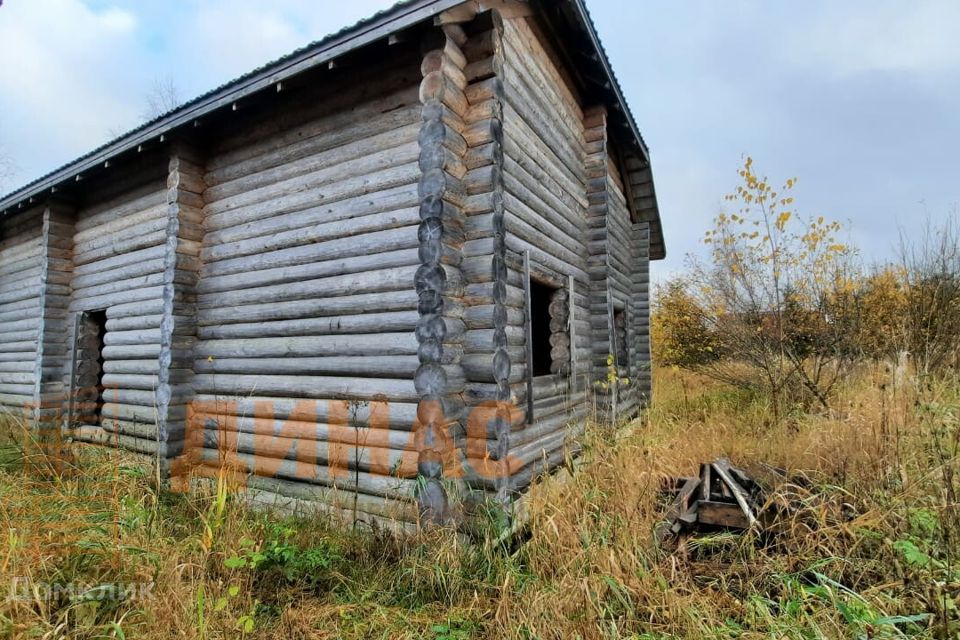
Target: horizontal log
[(386, 322), (356, 155), (123, 204), (134, 413), (18, 366), (135, 323), (18, 398), (20, 296), (282, 275), (402, 367), (403, 343), (299, 445), (12, 377), (376, 412), (131, 352), (377, 161), (24, 335), (295, 498), (142, 218), (29, 312), (307, 386), (367, 483), (320, 197), (373, 242), (110, 301), (103, 277), (375, 281), (20, 346), (130, 239), (266, 429), (98, 435), (315, 233), (273, 143), (400, 300)]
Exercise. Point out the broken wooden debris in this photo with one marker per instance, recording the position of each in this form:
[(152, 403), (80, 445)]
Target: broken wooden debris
[(721, 495)]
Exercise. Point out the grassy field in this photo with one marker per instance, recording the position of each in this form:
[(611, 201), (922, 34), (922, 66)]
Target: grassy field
[(869, 551)]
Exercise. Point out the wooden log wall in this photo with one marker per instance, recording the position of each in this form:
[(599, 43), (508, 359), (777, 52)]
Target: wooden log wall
[(439, 282), (629, 278), (21, 266), (492, 320), (307, 315), (118, 259), (178, 326), (619, 267), (53, 347), (641, 355), (545, 199), (327, 297)]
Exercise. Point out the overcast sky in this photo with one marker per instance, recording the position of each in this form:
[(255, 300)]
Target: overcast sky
[(859, 99)]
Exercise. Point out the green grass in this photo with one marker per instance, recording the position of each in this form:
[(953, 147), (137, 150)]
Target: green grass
[(869, 549)]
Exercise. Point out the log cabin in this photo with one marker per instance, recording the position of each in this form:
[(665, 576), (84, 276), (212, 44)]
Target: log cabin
[(394, 271)]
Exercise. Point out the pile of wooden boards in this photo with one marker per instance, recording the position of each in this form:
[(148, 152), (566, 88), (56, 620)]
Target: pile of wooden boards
[(722, 496)]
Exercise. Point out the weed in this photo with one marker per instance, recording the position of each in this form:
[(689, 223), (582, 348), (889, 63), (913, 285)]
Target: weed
[(869, 548)]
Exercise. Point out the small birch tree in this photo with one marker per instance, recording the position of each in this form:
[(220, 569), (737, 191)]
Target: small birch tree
[(774, 288)]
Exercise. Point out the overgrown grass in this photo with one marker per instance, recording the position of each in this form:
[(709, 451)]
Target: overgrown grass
[(868, 548)]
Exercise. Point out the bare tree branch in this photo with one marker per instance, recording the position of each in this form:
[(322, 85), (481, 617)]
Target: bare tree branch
[(163, 97)]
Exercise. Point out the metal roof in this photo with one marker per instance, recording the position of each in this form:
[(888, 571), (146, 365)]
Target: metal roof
[(400, 16)]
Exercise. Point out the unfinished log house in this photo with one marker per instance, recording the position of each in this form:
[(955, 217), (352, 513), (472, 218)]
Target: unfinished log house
[(394, 270)]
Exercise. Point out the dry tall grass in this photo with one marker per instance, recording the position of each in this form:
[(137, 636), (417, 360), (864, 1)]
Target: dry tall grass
[(867, 550)]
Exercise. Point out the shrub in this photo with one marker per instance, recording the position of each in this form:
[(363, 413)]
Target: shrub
[(931, 265), (680, 330), (883, 306), (776, 291)]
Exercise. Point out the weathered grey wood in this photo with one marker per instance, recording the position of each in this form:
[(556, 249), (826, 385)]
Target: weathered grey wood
[(300, 273), (271, 143), (321, 195), (438, 278), (373, 281), (386, 322), (371, 485), (363, 139), (23, 274), (364, 240), (401, 343), (403, 366), (375, 241), (722, 468), (293, 233), (307, 386), (296, 498), (387, 301), (529, 337)]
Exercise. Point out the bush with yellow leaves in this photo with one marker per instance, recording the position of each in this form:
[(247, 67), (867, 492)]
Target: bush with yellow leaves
[(680, 328), (774, 292)]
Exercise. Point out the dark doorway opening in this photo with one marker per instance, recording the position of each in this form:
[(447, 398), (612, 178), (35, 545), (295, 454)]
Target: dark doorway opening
[(88, 382), (541, 295), (621, 335)]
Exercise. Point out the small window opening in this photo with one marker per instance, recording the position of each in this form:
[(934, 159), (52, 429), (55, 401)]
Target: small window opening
[(541, 295), (620, 334), (88, 385)]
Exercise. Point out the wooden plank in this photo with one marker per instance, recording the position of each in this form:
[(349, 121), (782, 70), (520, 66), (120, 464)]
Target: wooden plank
[(529, 334), (705, 482), (612, 329), (722, 514), (722, 467), (573, 333), (73, 369), (682, 502)]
